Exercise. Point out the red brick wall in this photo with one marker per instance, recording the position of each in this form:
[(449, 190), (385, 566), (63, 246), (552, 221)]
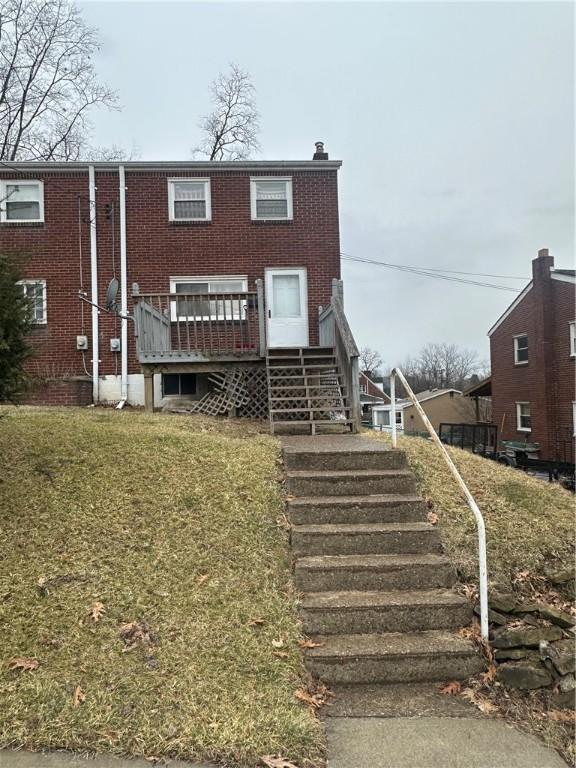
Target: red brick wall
[(547, 380), (157, 248), (59, 392)]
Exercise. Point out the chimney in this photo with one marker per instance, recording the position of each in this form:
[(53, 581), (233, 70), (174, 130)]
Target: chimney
[(320, 154), (542, 265)]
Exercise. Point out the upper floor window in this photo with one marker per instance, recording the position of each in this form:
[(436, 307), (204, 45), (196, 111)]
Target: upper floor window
[(21, 201), (189, 200), (523, 417), (521, 349), (573, 338), (271, 199), (35, 292)]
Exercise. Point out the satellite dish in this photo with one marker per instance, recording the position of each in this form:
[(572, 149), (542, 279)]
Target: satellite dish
[(111, 293)]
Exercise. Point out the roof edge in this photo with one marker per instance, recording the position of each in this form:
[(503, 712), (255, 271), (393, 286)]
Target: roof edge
[(146, 165), (511, 307)]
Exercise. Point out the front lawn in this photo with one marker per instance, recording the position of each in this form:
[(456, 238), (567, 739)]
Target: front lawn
[(144, 570)]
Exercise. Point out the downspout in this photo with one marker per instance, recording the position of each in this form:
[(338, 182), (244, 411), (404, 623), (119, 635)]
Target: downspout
[(123, 292), (94, 283)]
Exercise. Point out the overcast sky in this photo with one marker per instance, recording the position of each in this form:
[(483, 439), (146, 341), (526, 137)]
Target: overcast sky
[(454, 121)]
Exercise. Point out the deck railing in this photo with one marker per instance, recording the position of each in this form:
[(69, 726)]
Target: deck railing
[(471, 501), (199, 326), (335, 332)]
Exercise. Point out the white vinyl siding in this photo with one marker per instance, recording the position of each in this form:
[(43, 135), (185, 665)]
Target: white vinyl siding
[(21, 201), (521, 349), (189, 200), (523, 417), (271, 199), (207, 309), (35, 292)]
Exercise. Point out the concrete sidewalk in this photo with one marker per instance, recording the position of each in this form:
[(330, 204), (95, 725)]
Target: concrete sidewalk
[(24, 759), (433, 742)]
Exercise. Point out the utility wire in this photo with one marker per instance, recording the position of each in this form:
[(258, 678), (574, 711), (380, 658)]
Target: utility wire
[(428, 273)]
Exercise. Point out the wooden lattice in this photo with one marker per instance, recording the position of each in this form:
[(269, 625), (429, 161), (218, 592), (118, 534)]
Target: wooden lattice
[(243, 390)]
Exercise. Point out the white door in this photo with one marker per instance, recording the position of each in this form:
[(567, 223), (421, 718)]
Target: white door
[(287, 307)]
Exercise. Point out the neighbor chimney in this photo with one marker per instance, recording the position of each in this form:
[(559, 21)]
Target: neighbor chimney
[(320, 154), (542, 265)]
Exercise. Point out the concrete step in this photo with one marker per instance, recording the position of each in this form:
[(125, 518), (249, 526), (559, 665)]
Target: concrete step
[(365, 538), (355, 482), (393, 658), (321, 460), (382, 508), (344, 613), (373, 572)]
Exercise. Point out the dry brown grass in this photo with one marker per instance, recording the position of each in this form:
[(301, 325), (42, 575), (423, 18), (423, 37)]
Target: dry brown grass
[(169, 522)]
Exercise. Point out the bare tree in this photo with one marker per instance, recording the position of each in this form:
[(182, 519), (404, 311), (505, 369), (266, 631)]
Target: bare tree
[(48, 83), (439, 366), (231, 129), (370, 360)]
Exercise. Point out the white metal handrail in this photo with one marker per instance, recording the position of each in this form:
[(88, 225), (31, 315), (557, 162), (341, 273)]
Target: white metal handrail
[(482, 567)]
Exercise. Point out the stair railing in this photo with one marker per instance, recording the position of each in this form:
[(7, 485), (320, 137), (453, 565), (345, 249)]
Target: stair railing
[(481, 528)]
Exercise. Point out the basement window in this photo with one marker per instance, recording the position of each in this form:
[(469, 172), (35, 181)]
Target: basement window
[(21, 201), (178, 384), (521, 349), (35, 293), (523, 417), (189, 200), (271, 199)]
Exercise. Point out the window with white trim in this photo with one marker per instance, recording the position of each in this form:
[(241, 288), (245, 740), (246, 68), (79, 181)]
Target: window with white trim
[(573, 338), (21, 201), (271, 199), (521, 349), (189, 200), (363, 388), (198, 306), (35, 293), (523, 417)]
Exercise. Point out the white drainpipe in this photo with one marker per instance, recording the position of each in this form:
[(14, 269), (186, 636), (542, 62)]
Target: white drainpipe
[(123, 291), (94, 283)]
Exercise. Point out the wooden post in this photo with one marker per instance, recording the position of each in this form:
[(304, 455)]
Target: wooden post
[(261, 318), (148, 391), (338, 289)]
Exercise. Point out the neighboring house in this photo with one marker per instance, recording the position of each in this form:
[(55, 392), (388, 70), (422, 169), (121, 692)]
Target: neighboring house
[(218, 262), (533, 354), (371, 394), (439, 405)]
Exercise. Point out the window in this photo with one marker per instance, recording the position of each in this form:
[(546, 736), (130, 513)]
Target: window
[(203, 307), (521, 349), (271, 199), (523, 417), (573, 338), (178, 384), (363, 389), (189, 200), (35, 292), (21, 201)]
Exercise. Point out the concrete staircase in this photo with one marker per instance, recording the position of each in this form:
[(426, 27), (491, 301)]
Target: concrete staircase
[(306, 390), (376, 586)]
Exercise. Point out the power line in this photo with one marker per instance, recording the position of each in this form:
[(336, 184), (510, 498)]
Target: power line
[(428, 273)]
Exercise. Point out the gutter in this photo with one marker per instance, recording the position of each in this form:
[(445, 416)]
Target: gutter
[(123, 291), (94, 283), (177, 165)]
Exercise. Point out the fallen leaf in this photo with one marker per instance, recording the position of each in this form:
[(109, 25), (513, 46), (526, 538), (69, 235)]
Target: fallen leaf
[(561, 716), (24, 663), (289, 498), (432, 518), (79, 696), (202, 579), (485, 705), (281, 654), (97, 611), (277, 762), (451, 689), (469, 694), (490, 675), (309, 644), (278, 643), (256, 622)]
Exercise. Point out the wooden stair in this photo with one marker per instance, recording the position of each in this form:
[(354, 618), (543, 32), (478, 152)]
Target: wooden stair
[(306, 391)]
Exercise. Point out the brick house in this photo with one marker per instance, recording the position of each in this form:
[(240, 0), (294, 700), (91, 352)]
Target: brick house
[(217, 263), (533, 354)]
